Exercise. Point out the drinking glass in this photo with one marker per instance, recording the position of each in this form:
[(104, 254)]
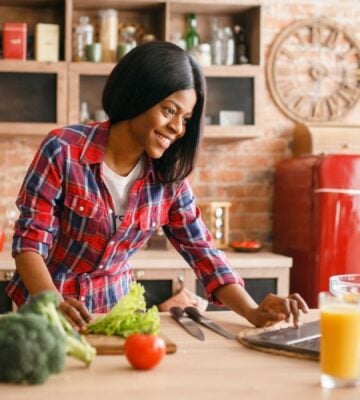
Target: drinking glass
[(347, 285), (340, 341)]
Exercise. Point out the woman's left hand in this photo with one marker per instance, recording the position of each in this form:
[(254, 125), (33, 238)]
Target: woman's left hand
[(275, 308)]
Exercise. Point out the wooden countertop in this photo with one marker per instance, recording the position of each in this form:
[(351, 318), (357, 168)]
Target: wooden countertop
[(170, 259), (216, 369)]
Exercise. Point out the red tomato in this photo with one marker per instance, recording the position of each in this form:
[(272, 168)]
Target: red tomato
[(144, 351)]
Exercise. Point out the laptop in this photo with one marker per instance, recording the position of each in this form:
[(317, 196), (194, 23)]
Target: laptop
[(304, 340)]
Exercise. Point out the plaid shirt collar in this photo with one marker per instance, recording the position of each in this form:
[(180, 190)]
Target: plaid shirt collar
[(95, 144)]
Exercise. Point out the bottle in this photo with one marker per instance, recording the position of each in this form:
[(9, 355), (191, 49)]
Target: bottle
[(229, 47), (192, 37), (84, 35), (216, 43), (241, 49), (84, 112), (108, 34)]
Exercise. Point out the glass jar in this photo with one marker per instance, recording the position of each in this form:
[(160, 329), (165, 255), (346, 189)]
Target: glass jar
[(108, 34), (84, 36), (127, 41), (203, 54)]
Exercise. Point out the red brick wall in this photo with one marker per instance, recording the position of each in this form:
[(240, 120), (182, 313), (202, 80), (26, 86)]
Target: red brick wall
[(237, 171), (242, 172)]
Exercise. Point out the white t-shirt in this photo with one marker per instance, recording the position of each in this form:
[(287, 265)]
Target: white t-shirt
[(119, 187)]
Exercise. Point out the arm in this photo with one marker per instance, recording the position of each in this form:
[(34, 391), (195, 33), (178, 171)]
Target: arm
[(29, 265), (187, 232), (39, 198), (271, 310), (36, 278)]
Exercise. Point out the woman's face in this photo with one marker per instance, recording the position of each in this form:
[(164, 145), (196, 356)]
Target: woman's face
[(157, 128)]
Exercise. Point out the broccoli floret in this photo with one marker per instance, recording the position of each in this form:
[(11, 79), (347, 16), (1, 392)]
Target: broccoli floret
[(46, 304), (31, 349)]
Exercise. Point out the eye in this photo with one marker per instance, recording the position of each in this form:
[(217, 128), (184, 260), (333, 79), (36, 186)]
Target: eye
[(170, 111)]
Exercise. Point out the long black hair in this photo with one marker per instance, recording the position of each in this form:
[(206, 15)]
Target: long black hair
[(143, 78)]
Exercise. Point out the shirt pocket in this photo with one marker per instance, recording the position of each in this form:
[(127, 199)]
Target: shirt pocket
[(81, 216), (154, 221), (149, 222)]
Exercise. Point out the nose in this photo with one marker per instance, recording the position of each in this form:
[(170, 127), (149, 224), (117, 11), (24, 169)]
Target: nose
[(176, 125)]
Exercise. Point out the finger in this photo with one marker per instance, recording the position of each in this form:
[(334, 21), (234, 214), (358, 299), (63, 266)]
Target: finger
[(295, 311), (286, 309), (73, 316), (268, 318), (300, 301), (80, 307)]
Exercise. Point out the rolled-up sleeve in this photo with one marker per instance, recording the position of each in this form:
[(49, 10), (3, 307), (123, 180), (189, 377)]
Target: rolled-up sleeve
[(192, 239), (37, 223)]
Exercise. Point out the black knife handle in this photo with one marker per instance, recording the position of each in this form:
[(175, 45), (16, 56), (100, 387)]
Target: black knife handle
[(193, 313), (176, 312)]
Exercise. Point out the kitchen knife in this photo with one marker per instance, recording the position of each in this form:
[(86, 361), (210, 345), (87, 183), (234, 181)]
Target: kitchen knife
[(187, 323), (195, 315)]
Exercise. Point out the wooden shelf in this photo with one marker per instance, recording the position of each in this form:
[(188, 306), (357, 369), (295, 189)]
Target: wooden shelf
[(235, 87)]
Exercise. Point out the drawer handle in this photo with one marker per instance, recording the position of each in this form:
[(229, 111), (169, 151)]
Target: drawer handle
[(8, 275), (180, 278)]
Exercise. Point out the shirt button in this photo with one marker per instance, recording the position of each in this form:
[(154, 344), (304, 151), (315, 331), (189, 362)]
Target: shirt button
[(112, 243), (153, 224), (110, 211), (101, 266), (81, 208), (82, 298)]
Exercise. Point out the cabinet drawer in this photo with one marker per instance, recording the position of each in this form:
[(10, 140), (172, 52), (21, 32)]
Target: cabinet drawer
[(311, 139)]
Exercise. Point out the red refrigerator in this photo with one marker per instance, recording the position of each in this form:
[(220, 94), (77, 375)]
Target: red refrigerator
[(317, 219)]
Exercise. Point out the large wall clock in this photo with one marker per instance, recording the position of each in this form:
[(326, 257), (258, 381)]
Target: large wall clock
[(313, 71)]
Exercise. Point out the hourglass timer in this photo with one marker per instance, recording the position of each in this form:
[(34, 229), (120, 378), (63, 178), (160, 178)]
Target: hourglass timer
[(216, 216)]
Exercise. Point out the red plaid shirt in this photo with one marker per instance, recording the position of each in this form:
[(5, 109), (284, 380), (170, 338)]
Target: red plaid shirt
[(67, 216)]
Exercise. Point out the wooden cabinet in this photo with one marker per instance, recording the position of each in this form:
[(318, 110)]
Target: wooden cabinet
[(163, 271), (51, 92), (324, 139)]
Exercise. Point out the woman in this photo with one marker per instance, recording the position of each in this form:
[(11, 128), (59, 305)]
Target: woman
[(95, 193)]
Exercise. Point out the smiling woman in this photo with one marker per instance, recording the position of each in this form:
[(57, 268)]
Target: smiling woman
[(95, 193)]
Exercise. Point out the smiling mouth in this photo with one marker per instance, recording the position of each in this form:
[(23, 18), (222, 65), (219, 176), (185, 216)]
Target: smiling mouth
[(164, 141)]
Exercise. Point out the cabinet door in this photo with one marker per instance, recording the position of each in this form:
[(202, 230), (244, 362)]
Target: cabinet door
[(161, 284)]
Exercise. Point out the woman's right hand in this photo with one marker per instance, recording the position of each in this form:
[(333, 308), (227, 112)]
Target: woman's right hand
[(76, 313)]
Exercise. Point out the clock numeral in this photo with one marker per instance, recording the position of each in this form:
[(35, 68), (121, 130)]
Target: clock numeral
[(286, 87), (299, 103), (333, 104), (300, 38), (332, 39), (316, 33), (319, 110), (348, 93), (287, 53)]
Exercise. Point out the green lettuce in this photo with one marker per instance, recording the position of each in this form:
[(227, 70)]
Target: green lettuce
[(128, 316)]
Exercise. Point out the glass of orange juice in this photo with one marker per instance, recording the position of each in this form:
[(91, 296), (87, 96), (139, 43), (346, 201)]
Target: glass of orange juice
[(340, 341)]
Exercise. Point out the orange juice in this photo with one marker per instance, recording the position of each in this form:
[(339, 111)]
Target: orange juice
[(340, 340)]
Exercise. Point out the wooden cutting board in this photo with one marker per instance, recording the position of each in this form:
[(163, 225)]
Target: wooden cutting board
[(109, 345)]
